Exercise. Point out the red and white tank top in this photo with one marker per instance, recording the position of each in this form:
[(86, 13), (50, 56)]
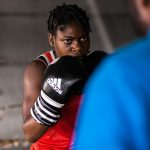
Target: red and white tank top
[(59, 137), (47, 57)]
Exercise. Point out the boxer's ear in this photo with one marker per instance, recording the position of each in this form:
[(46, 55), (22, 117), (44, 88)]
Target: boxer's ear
[(50, 39)]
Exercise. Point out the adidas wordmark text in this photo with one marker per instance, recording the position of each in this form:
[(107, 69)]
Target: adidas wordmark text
[(55, 83)]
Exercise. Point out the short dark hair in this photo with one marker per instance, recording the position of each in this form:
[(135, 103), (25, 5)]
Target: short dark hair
[(147, 2), (64, 14)]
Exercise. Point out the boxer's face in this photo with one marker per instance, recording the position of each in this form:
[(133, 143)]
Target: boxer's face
[(72, 40)]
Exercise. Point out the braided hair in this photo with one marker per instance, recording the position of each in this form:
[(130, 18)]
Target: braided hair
[(64, 14), (146, 2)]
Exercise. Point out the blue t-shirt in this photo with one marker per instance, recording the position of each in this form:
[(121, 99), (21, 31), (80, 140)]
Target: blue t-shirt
[(115, 113)]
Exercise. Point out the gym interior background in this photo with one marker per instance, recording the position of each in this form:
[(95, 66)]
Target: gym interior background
[(23, 36)]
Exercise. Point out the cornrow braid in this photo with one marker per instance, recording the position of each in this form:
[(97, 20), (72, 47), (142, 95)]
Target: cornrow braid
[(64, 14)]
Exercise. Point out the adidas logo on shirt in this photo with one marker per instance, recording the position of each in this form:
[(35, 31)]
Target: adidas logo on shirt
[(55, 83)]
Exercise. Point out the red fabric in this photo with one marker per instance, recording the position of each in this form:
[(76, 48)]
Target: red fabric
[(49, 56), (59, 136)]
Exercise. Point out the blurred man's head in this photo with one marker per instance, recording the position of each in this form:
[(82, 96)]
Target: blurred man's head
[(140, 10)]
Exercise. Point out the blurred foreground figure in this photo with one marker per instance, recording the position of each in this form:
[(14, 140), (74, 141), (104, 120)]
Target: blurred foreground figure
[(115, 113)]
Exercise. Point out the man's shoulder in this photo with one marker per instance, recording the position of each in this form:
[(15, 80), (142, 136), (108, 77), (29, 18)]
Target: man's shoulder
[(130, 49), (125, 57)]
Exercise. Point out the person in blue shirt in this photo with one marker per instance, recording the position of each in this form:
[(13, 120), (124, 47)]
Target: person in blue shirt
[(115, 112)]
